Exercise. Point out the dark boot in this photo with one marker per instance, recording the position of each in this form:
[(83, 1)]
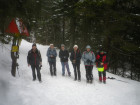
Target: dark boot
[(51, 72), (104, 82), (75, 79), (69, 74), (79, 80), (90, 81), (54, 72), (75, 73), (40, 81)]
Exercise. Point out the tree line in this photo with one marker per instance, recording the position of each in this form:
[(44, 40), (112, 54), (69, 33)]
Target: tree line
[(111, 24)]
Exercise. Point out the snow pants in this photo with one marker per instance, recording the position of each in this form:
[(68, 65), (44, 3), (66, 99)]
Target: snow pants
[(34, 73), (89, 74), (77, 71), (52, 68), (102, 77), (63, 67)]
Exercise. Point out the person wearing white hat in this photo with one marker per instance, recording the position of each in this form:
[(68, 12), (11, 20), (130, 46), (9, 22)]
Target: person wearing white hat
[(75, 46), (76, 60), (89, 58)]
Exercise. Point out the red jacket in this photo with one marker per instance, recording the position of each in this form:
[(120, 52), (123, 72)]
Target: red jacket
[(103, 59)]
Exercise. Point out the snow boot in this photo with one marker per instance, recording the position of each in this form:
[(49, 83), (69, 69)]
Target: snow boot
[(40, 81), (69, 74), (79, 80), (104, 82), (104, 78), (100, 81), (63, 75), (90, 81), (75, 79), (55, 73)]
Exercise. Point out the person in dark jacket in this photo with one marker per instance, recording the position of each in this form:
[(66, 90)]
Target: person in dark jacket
[(101, 63), (64, 55), (76, 60), (51, 54), (35, 61)]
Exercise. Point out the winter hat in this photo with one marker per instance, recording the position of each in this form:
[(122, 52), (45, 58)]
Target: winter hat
[(88, 46), (101, 50), (62, 45), (75, 46), (51, 44), (34, 45)]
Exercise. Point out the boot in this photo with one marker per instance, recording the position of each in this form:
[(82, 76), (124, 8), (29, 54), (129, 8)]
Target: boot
[(40, 81), (75, 79), (69, 74), (100, 79), (55, 73), (104, 82), (79, 80), (90, 81), (87, 81)]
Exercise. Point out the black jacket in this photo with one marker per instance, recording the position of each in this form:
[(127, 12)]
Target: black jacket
[(76, 56), (64, 55), (34, 58)]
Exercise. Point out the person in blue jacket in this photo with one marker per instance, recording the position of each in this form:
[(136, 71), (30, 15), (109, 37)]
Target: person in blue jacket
[(52, 54), (89, 58)]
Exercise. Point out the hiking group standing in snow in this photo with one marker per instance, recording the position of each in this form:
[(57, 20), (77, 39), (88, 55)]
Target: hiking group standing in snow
[(35, 61)]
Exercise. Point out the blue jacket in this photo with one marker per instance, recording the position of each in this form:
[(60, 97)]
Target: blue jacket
[(88, 56), (51, 52)]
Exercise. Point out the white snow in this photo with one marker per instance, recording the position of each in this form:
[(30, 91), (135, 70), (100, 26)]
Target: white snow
[(59, 90)]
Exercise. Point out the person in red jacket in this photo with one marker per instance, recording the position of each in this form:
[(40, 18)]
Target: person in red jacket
[(101, 63)]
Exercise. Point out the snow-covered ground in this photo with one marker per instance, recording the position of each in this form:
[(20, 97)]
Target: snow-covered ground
[(60, 90)]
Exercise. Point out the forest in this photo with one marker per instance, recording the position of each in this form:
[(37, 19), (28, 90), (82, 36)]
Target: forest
[(110, 24)]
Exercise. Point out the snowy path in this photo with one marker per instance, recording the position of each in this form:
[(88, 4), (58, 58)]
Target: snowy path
[(60, 90)]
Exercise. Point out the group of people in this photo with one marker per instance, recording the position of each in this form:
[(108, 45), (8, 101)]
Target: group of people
[(34, 60)]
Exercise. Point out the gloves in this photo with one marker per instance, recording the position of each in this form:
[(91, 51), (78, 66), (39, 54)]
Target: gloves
[(52, 56), (74, 61), (89, 61), (64, 57)]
